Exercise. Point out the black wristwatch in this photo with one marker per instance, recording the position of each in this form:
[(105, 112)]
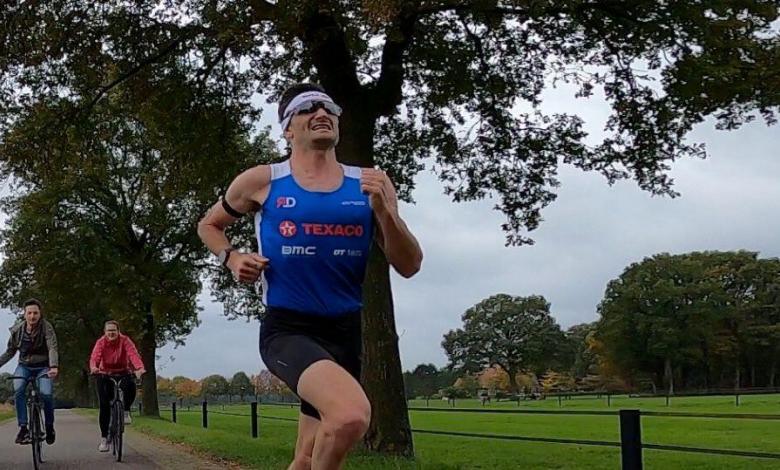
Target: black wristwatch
[(224, 255)]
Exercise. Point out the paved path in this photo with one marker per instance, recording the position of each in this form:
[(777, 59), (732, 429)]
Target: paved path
[(76, 449)]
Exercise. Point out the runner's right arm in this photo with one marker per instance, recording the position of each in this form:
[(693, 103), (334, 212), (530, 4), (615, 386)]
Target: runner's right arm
[(246, 193)]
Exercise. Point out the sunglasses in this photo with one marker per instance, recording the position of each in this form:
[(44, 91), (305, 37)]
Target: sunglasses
[(308, 107)]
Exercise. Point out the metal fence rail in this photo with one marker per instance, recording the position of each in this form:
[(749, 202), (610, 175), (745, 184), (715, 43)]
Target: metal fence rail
[(665, 414), (631, 445)]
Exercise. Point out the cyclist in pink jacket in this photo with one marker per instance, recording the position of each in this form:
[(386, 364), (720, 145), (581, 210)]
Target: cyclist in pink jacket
[(114, 354)]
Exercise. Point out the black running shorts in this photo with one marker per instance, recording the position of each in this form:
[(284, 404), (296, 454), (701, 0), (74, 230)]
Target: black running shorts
[(291, 341)]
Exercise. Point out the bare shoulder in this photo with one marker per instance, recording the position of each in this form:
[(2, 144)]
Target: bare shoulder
[(253, 178), (250, 188)]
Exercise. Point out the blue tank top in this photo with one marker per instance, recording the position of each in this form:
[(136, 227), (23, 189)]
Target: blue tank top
[(317, 244)]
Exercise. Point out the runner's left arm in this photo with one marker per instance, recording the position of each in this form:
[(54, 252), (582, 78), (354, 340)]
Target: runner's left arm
[(398, 243)]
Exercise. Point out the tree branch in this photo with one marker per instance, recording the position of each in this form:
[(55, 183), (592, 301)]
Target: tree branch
[(386, 94), (204, 74), (464, 6), (137, 68), (262, 10), (331, 55)]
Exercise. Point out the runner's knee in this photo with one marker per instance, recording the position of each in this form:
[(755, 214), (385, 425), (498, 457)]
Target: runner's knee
[(348, 426), (302, 461)]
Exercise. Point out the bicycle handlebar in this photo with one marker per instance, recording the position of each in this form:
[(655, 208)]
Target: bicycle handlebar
[(118, 377), (29, 379)]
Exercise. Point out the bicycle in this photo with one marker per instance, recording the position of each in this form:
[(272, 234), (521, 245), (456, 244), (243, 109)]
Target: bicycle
[(35, 416), (116, 426)]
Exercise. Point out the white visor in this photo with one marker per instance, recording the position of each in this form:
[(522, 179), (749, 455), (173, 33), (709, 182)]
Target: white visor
[(301, 98)]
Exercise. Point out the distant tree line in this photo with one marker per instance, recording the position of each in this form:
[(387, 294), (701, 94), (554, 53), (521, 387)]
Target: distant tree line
[(698, 321), (241, 387)]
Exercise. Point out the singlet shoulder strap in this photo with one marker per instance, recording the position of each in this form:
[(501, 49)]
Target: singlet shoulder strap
[(280, 170), (351, 171)]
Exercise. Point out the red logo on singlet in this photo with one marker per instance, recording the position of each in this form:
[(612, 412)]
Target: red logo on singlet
[(285, 202), (333, 230), (287, 228)]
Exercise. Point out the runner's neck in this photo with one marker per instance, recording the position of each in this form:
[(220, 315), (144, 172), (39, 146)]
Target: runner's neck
[(316, 170)]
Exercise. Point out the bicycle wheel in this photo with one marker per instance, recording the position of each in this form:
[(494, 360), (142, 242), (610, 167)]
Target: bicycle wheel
[(119, 430), (35, 435), (112, 430)]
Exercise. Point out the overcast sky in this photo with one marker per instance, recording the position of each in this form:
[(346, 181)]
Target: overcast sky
[(589, 235)]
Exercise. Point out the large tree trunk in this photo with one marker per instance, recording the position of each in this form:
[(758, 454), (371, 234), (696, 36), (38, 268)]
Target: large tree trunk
[(669, 376), (85, 395), (737, 376), (514, 386), (382, 378), (772, 372), (148, 352), (390, 431), (752, 375)]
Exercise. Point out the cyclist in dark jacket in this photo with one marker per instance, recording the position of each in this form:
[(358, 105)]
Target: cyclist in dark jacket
[(36, 342)]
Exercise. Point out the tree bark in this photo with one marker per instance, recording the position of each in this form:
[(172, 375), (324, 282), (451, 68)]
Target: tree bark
[(514, 386), (84, 396), (669, 376), (390, 431), (737, 376), (772, 372), (382, 377), (752, 375), (150, 406)]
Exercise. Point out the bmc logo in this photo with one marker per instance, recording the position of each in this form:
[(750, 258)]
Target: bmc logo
[(333, 230), (285, 202), (299, 250), (288, 229)]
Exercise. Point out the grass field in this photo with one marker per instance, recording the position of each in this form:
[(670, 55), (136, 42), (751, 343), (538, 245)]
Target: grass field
[(229, 436), (6, 412)]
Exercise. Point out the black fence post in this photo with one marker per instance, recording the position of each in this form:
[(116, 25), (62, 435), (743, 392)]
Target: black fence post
[(139, 408), (205, 414), (630, 440), (254, 419), (609, 400), (737, 398), (667, 399), (173, 411), (559, 401)]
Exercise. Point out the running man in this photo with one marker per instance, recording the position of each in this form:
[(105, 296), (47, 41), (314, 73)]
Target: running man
[(36, 342), (314, 219), (114, 354)]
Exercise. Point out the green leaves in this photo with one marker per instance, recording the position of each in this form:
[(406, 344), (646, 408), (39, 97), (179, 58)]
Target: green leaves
[(102, 224), (517, 334), (456, 83), (701, 312)]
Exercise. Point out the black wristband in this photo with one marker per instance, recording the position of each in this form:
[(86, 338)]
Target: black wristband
[(230, 210)]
